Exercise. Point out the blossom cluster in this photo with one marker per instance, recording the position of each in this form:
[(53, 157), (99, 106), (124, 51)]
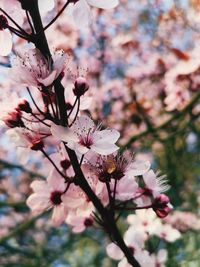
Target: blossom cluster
[(118, 180)]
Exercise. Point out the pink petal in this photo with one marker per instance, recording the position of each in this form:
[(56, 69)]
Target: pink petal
[(150, 179), (81, 13), (139, 167), (110, 136), (38, 203), (49, 79), (59, 214), (46, 5), (62, 133), (5, 42), (104, 148), (105, 4), (39, 186), (114, 252), (56, 182)]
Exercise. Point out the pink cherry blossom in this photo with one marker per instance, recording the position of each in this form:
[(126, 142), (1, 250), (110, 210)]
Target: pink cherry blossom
[(49, 194), (160, 258), (12, 7), (154, 186), (78, 223), (155, 183), (81, 9), (147, 222), (84, 136), (25, 141), (31, 68), (142, 256), (6, 42)]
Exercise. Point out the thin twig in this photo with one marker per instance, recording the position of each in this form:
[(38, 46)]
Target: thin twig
[(57, 16)]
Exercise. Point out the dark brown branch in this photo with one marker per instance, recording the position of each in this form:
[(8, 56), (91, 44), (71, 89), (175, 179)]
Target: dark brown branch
[(106, 215)]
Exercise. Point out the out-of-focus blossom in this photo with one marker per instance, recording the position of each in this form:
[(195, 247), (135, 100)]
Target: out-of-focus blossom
[(46, 5), (183, 221), (81, 9), (147, 221), (5, 42), (25, 141), (12, 7)]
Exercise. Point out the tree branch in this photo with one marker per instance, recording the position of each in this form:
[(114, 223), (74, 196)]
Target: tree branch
[(107, 217)]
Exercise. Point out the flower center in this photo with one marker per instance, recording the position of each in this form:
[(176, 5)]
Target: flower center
[(56, 197), (86, 140)]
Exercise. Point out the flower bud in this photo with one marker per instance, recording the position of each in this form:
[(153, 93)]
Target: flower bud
[(162, 206), (3, 22), (37, 145), (88, 222), (13, 119), (80, 86), (24, 106), (65, 164)]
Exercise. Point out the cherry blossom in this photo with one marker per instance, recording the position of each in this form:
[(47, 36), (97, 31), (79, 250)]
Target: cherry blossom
[(119, 169), (154, 186), (6, 42), (84, 136), (25, 141), (78, 223), (49, 194), (35, 70), (81, 9), (142, 256), (147, 222), (13, 9), (155, 183)]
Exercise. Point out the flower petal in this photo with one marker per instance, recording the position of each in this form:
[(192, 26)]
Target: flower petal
[(139, 167), (104, 148), (62, 133), (114, 252), (110, 136), (6, 42), (82, 14), (38, 203), (49, 79), (59, 214), (105, 4)]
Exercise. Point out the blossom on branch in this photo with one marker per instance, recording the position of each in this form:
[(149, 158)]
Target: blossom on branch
[(12, 7), (49, 194), (84, 136), (33, 69), (5, 40)]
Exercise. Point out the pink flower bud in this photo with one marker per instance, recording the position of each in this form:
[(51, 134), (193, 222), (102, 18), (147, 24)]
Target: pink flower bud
[(80, 86), (162, 206), (13, 119)]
